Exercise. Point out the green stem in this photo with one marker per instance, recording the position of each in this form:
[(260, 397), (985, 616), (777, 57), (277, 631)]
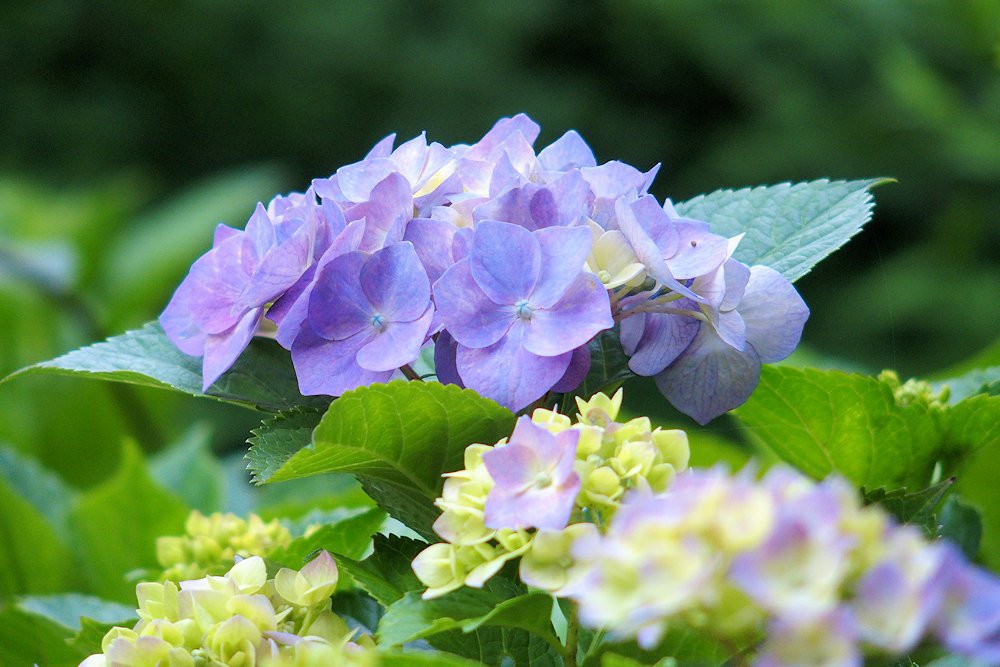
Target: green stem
[(410, 373), (572, 632)]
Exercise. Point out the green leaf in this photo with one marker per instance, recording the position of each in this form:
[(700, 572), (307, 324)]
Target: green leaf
[(685, 646), (261, 378), (277, 439), (915, 508), (971, 425), (406, 504), (386, 574), (608, 366), (351, 536), (466, 609), (962, 524), (44, 489), (189, 469), (977, 381), (68, 609), (415, 658), (830, 421), (117, 522), (788, 227), (403, 434), (32, 559)]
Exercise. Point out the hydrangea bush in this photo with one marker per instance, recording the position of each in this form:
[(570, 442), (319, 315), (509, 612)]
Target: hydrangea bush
[(451, 326)]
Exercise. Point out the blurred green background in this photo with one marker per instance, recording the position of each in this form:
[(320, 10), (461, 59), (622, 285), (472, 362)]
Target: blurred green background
[(131, 129)]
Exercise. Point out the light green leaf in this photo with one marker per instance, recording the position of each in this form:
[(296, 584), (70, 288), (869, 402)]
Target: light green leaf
[(788, 227), (916, 507), (351, 537), (32, 559), (261, 378), (30, 639), (68, 609), (189, 469), (117, 522), (402, 433), (829, 421)]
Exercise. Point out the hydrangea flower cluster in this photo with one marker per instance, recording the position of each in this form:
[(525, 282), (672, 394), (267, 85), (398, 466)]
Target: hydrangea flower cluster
[(211, 543), (534, 494), (240, 619), (506, 261), (826, 579)]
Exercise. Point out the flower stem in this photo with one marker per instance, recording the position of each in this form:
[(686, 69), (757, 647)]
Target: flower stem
[(410, 373), (572, 632)]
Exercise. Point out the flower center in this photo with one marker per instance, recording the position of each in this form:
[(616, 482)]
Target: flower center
[(523, 310), (378, 322), (543, 479)]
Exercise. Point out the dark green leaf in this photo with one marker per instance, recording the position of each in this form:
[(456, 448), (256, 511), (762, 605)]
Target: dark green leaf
[(977, 381), (788, 227), (261, 378), (386, 574), (915, 508), (404, 503), (116, 525), (415, 658), (962, 524), (277, 439), (404, 433), (608, 367), (350, 537), (829, 421)]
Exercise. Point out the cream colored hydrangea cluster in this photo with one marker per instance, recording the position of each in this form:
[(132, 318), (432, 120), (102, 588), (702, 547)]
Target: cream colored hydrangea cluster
[(210, 543), (240, 619), (611, 457)]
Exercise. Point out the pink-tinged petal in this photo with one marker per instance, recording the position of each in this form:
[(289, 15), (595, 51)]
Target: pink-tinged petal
[(500, 132), (582, 313), (388, 211), (654, 340), (656, 223), (774, 314), (567, 442), (445, 349), (397, 344), (579, 366), (325, 367), (567, 152), (564, 253), (432, 240), (223, 233), (357, 181), (647, 251), (698, 251), (338, 307), (710, 377), (549, 507), (509, 374), (259, 236), (395, 283), (179, 324), (383, 148), (218, 279), (222, 350), (472, 318), (549, 450), (410, 158), (280, 267), (513, 467), (505, 260)]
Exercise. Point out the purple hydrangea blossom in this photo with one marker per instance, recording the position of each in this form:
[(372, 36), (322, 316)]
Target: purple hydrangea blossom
[(216, 309), (518, 306), (534, 484), (367, 316)]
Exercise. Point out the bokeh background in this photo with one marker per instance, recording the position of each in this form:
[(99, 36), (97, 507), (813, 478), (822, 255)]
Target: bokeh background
[(130, 129)]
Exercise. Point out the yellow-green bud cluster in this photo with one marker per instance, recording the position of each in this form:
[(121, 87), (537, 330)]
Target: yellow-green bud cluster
[(914, 392), (240, 619), (210, 543), (611, 457)]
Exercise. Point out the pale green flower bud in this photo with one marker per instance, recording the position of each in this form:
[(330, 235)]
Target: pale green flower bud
[(607, 408), (157, 600), (255, 608), (435, 566), (311, 585), (330, 627), (249, 575), (599, 486), (672, 444), (234, 642), (548, 564), (551, 420), (172, 550), (114, 633), (161, 629)]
